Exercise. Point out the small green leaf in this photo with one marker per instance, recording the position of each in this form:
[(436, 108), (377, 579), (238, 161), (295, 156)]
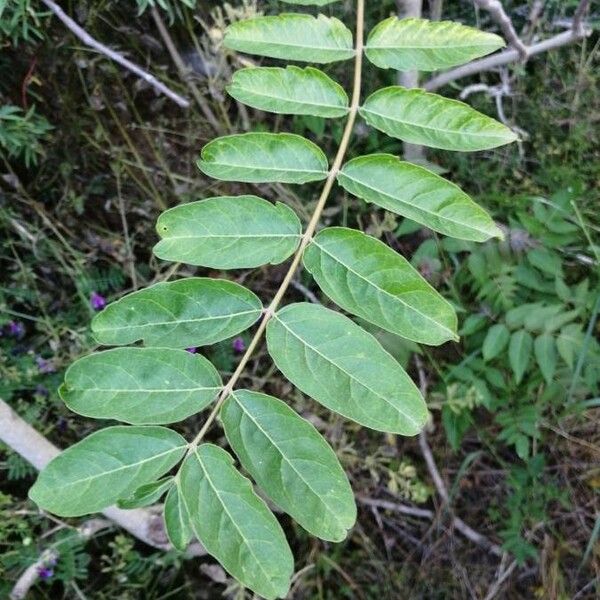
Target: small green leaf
[(367, 278), (343, 367), (292, 91), (147, 494), (569, 343), (230, 232), (142, 386), (292, 36), (189, 312), (263, 158), (519, 353), (418, 117), (418, 194), (495, 341), (291, 463), (177, 522), (234, 524), (422, 45), (104, 467), (544, 349)]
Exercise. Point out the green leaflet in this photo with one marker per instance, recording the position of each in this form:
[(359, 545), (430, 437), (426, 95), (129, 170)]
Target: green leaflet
[(418, 194), (292, 36), (189, 312), (177, 522), (544, 349), (291, 462), (263, 158), (419, 117), (230, 232), (343, 367), (142, 386), (292, 90), (147, 494), (367, 278), (234, 524), (519, 353), (495, 341), (104, 467), (422, 45)]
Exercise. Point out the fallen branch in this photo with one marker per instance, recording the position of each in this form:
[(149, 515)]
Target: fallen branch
[(505, 58), (144, 524), (88, 40)]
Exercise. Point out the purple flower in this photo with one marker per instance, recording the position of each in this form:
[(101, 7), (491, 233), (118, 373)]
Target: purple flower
[(44, 366), (97, 301), (45, 572), (191, 350), (238, 345), (16, 329)]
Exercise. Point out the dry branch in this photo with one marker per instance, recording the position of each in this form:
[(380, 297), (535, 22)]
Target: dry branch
[(88, 40), (498, 14)]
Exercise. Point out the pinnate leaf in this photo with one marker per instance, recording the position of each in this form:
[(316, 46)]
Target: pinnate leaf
[(104, 467), (291, 462), (142, 386), (263, 158), (230, 232), (367, 278), (292, 90), (292, 36), (419, 44), (190, 312), (495, 341), (419, 117), (544, 349), (418, 194), (234, 524), (343, 367), (147, 494), (519, 352), (177, 522)]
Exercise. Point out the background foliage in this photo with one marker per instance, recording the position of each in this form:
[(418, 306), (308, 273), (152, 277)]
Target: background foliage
[(514, 402)]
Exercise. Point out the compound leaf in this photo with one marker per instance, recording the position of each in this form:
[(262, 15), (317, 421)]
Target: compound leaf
[(291, 462), (180, 314), (104, 467), (419, 44), (292, 90), (495, 341), (142, 386), (146, 494), (417, 194), (292, 36), (544, 349), (263, 158), (367, 278), (177, 522), (231, 232), (418, 117), (234, 524), (519, 352), (343, 367)]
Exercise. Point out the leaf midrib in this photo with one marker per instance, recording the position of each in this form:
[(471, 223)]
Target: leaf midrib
[(330, 510), (408, 306), (326, 358), (345, 107)]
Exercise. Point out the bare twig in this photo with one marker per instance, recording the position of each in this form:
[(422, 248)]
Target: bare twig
[(184, 72), (505, 58), (498, 14), (504, 575), (144, 524), (88, 40), (578, 16)]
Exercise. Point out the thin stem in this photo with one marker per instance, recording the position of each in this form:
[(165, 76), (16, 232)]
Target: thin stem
[(310, 228)]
